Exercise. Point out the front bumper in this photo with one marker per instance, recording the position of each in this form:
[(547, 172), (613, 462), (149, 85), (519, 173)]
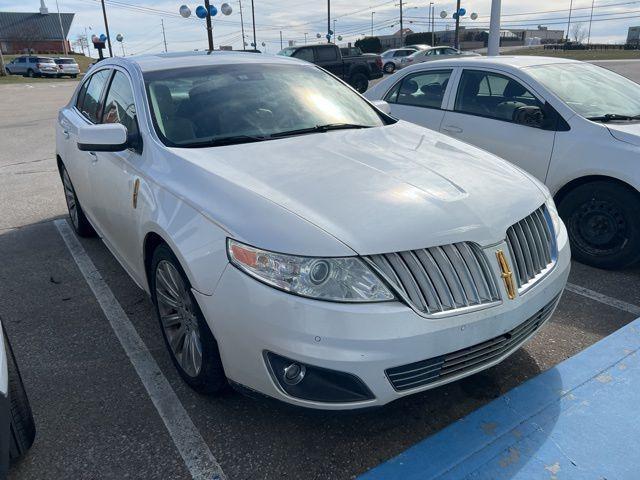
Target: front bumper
[(249, 319)]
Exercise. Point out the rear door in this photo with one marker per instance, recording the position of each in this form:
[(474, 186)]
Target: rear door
[(329, 58), (19, 66), (419, 97), (483, 115)]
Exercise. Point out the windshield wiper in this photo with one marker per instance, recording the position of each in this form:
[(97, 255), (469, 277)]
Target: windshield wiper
[(610, 117), (220, 141), (318, 129)]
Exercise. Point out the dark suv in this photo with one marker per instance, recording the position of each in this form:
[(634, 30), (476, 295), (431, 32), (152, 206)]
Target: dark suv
[(355, 70)]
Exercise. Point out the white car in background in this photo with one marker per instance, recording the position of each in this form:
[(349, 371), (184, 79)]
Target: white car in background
[(391, 58), (297, 241), (573, 125), (433, 53)]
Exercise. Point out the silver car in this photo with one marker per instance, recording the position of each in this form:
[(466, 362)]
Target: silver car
[(67, 67), (31, 66), (391, 58), (434, 53)]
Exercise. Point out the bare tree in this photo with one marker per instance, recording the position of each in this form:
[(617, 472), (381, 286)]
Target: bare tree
[(578, 32)]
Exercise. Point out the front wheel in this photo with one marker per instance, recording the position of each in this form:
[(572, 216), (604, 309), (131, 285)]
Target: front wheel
[(389, 67), (360, 82), (603, 222), (79, 221), (30, 73), (193, 349)]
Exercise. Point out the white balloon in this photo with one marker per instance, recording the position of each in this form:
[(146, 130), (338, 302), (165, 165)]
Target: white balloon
[(443, 14), (474, 16), (119, 37), (185, 11), (226, 9)]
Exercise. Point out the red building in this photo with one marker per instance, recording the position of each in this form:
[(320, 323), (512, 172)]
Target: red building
[(39, 32)]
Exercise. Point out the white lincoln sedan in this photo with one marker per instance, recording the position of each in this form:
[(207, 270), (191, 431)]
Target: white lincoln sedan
[(573, 125), (296, 240)]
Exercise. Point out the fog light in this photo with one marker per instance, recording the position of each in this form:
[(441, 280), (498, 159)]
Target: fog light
[(294, 373)]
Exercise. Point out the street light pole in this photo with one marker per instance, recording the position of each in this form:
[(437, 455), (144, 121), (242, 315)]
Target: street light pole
[(328, 21), (281, 47), (431, 21), (401, 26), (305, 38), (334, 31), (164, 36), (253, 19), (494, 29), (209, 28), (106, 27), (456, 42), (372, 23), (242, 24), (64, 40)]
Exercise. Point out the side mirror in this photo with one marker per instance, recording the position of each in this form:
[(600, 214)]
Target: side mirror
[(382, 106), (107, 137), (529, 116)]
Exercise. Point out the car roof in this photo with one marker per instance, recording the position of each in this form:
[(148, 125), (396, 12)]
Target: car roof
[(512, 61), (167, 61)]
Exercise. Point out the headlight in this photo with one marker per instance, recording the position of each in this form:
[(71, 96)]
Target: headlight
[(555, 218), (345, 279)]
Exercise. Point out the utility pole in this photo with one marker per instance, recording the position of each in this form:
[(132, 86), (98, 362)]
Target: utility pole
[(64, 40), (328, 21), (106, 28), (209, 28), (456, 42), (590, 20), (494, 29), (164, 37), (242, 25), (431, 21), (281, 47), (335, 37), (253, 19), (401, 26), (372, 23), (569, 22), (305, 38)]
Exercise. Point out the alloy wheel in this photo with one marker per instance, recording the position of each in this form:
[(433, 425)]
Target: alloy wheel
[(70, 197), (178, 318)]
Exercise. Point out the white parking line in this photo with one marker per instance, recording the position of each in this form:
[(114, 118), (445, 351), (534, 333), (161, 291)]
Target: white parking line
[(194, 451), (607, 300)]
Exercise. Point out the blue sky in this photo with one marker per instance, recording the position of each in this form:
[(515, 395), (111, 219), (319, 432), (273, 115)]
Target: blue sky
[(140, 22)]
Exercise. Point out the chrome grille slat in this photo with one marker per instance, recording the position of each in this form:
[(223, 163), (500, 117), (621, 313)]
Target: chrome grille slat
[(424, 372), (439, 279), (531, 243)]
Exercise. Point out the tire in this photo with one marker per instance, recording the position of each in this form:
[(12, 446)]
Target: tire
[(79, 221), (603, 221), (360, 82), (22, 426), (8, 71), (389, 67), (29, 73), (168, 280), (75, 75)]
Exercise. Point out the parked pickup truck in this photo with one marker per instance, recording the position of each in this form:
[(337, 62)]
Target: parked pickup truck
[(355, 70)]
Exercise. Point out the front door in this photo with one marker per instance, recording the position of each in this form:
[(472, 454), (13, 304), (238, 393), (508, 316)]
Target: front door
[(483, 115)]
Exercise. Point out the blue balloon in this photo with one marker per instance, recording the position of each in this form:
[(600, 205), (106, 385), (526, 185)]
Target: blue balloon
[(103, 38), (201, 12), (213, 11), (462, 12), (455, 16)]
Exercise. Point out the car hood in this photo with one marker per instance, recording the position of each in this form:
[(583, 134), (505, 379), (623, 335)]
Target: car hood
[(625, 132), (393, 188)]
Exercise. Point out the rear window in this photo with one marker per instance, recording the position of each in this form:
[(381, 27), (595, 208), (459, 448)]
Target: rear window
[(327, 54), (65, 61), (45, 60)]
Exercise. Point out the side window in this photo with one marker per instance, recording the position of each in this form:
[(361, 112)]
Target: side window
[(22, 60), (90, 106), (492, 95), (304, 54), (119, 106), (425, 89), (327, 54)]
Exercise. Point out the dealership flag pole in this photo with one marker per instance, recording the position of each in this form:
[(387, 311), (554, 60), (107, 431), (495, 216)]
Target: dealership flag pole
[(494, 29)]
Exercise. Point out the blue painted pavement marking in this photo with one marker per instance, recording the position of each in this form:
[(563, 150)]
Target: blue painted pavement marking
[(578, 420)]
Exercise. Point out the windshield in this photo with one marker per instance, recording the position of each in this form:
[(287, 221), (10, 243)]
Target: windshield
[(241, 102), (65, 61), (590, 90)]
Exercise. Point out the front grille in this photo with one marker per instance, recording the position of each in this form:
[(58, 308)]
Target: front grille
[(532, 246), (435, 369), (439, 279)]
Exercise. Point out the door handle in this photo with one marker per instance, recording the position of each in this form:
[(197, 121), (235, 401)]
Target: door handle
[(66, 134), (452, 129), (94, 157)]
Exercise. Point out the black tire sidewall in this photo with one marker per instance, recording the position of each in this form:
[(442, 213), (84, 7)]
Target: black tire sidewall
[(84, 227), (359, 78), (211, 378), (391, 67), (628, 203)]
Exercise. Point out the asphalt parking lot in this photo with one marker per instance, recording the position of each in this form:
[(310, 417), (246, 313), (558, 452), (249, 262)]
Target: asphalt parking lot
[(96, 419)]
